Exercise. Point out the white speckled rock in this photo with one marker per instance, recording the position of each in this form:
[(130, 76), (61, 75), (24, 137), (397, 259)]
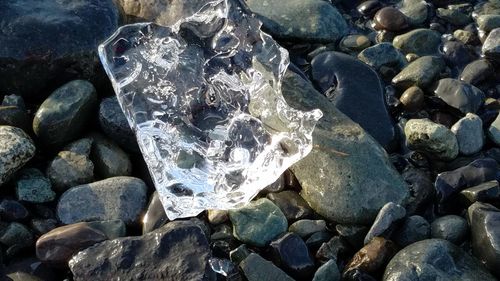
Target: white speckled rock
[(469, 132), (16, 148), (494, 131), (433, 139)]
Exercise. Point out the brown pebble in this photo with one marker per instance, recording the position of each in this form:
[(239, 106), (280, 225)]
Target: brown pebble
[(391, 19), (373, 256), (412, 99)]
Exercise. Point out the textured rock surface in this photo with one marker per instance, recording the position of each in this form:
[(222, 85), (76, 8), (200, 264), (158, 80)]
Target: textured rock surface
[(434, 139), (16, 148), (257, 268)]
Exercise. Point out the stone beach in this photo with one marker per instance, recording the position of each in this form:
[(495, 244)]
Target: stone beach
[(402, 182)]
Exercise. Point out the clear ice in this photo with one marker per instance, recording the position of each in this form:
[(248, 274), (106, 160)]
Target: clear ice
[(204, 99)]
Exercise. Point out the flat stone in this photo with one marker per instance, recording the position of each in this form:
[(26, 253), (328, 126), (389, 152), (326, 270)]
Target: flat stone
[(177, 251), (372, 256), (421, 72), (293, 206), (451, 227), (469, 133), (258, 223), (347, 177), (121, 198), (488, 192), (356, 90), (305, 227), (435, 259), (491, 46), (385, 221), (421, 41), (109, 159), (115, 125), (459, 95), (327, 272), (16, 148), (413, 229), (33, 187), (65, 113), (257, 268), (292, 254)]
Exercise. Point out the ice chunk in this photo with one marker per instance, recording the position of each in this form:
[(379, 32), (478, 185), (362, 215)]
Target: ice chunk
[(204, 99)]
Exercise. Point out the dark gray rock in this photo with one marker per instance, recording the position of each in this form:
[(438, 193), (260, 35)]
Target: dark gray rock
[(65, 113), (33, 187), (385, 221), (356, 90), (34, 60), (347, 177), (491, 46), (459, 95), (177, 251), (435, 259), (14, 100), (477, 71), (115, 125), (383, 54), (155, 216), (494, 131), (413, 229), (16, 148), (121, 198), (422, 42), (291, 204), (327, 272), (332, 249), (453, 16), (70, 168), (421, 72), (354, 234), (470, 135), (488, 192), (257, 268), (416, 11), (305, 227), (109, 159), (15, 235), (488, 22), (42, 226), (451, 227), (422, 191), (11, 210), (291, 254), (16, 117)]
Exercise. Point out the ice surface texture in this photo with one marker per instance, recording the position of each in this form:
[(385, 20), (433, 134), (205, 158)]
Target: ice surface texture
[(204, 99)]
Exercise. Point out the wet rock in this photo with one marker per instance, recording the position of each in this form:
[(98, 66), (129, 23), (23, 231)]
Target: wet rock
[(433, 139), (155, 216), (420, 41), (115, 125), (491, 46), (488, 22), (15, 117), (16, 148), (494, 131), (310, 20), (32, 266), (33, 187), (369, 8), (459, 95), (257, 268), (382, 54), (412, 229), (22, 276), (373, 256), (292, 254), (416, 11), (121, 198), (317, 239), (291, 204), (330, 250), (109, 159), (34, 60), (258, 223), (341, 181), (305, 228), (413, 99), (362, 100), (451, 227), (177, 251), (477, 71), (327, 272), (488, 192), (385, 222), (465, 36), (69, 169), (65, 113), (469, 133), (11, 210), (390, 19), (457, 54), (239, 254), (435, 259), (421, 73)]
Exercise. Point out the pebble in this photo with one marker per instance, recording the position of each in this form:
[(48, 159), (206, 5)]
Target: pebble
[(413, 229), (342, 189), (488, 192), (317, 239), (121, 198), (216, 217), (257, 268), (433, 139), (69, 169), (493, 131), (305, 20), (332, 249), (329, 271), (438, 259), (33, 187), (15, 117), (155, 216), (65, 113), (115, 125), (353, 234), (258, 223), (420, 72), (372, 257), (419, 41), (14, 100), (184, 256), (390, 19), (16, 235), (469, 133), (42, 226), (488, 22), (305, 227), (109, 159), (11, 210), (451, 227), (354, 43), (477, 71), (293, 206), (292, 254), (457, 54), (385, 221), (459, 95), (16, 148), (413, 99), (416, 11), (369, 8), (491, 46), (239, 254), (465, 36), (453, 16), (382, 54)]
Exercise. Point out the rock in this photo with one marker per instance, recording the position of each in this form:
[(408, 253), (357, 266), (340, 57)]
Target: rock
[(33, 61), (413, 99), (310, 20), (361, 99), (69, 169), (465, 36), (60, 244), (15, 117), (327, 272), (16, 235), (115, 125), (488, 192), (155, 216), (459, 95), (305, 228), (416, 11), (177, 251), (373, 256), (112, 229), (291, 204), (354, 43), (421, 73), (477, 71), (485, 233), (16, 148), (469, 133), (11, 210), (382, 54), (109, 159), (369, 8), (121, 198), (330, 250), (421, 41), (256, 268), (354, 234), (413, 229), (457, 54), (453, 16), (451, 227), (258, 223), (239, 254), (451, 183), (317, 239), (291, 254), (491, 46), (390, 19), (493, 131), (422, 191), (14, 100), (435, 259), (216, 217), (32, 266), (433, 139), (488, 22), (385, 222), (33, 187), (22, 276), (343, 182), (81, 146), (65, 113), (42, 226)]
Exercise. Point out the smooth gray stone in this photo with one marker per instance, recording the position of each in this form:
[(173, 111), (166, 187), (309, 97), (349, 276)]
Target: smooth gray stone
[(451, 227), (257, 268), (385, 221)]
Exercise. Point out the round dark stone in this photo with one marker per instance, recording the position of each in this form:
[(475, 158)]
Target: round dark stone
[(391, 19), (11, 210)]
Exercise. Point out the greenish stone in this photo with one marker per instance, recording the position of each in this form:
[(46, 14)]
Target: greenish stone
[(65, 113), (327, 272), (421, 72), (347, 177), (257, 268), (416, 11), (258, 223), (32, 186), (420, 41), (306, 227), (308, 20)]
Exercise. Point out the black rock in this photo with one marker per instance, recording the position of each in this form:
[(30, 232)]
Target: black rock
[(488, 192), (155, 216), (356, 90), (115, 125), (413, 229), (422, 191), (292, 254), (477, 71), (357, 275), (293, 206), (457, 54), (177, 251), (369, 8), (317, 239), (452, 228), (459, 95), (354, 234), (46, 43), (16, 117), (11, 210), (14, 100)]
